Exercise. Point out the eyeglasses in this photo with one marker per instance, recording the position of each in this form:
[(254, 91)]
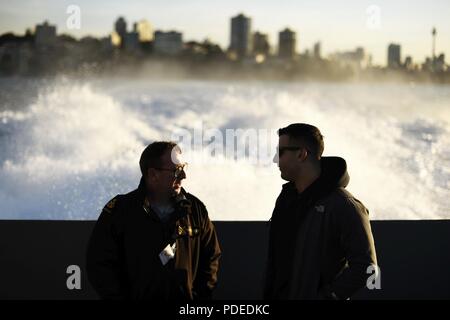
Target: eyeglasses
[(281, 150), (177, 171)]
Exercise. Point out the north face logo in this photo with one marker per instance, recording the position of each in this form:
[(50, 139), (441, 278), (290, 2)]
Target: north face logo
[(320, 209)]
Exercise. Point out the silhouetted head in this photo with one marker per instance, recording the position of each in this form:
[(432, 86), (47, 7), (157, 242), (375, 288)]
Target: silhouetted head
[(300, 148), (162, 168)]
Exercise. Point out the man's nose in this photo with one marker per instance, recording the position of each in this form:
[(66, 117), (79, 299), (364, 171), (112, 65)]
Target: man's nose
[(276, 159)]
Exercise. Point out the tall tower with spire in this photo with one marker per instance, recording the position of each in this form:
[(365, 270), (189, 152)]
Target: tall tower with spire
[(433, 33)]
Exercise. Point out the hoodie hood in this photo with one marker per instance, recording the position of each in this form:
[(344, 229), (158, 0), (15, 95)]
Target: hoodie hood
[(333, 175), (334, 172)]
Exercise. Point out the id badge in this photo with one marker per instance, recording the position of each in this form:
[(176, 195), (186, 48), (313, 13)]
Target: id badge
[(168, 253)]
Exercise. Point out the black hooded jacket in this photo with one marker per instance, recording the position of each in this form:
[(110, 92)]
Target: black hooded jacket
[(320, 242), (123, 252)]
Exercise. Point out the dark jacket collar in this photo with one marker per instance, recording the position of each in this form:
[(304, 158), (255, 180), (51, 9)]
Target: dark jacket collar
[(142, 189), (333, 175), (334, 172)]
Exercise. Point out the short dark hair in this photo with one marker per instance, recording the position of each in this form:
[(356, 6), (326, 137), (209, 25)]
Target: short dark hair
[(152, 154), (307, 135)]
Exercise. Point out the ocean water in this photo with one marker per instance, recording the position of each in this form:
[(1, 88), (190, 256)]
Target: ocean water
[(68, 146)]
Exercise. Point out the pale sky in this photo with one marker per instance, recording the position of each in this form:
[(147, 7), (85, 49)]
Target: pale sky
[(338, 25)]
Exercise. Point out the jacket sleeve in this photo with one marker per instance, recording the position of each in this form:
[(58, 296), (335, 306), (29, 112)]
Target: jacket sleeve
[(358, 245), (102, 260), (269, 271), (210, 252)]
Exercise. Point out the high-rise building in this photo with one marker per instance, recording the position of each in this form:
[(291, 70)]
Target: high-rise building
[(261, 44), (360, 53), (120, 27), (427, 65), (170, 43), (317, 50), (145, 30), (409, 63), (356, 60), (394, 56), (287, 44), (439, 64), (130, 41), (45, 34), (241, 36)]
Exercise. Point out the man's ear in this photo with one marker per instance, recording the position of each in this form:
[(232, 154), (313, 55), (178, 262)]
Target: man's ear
[(303, 154)]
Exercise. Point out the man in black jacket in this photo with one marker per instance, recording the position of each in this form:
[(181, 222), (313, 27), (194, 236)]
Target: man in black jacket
[(321, 243), (156, 242)]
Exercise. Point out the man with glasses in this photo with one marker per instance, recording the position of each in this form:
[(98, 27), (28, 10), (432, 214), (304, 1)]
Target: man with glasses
[(156, 242), (320, 242)]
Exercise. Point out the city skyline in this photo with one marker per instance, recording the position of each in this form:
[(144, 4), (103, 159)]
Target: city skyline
[(338, 28)]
